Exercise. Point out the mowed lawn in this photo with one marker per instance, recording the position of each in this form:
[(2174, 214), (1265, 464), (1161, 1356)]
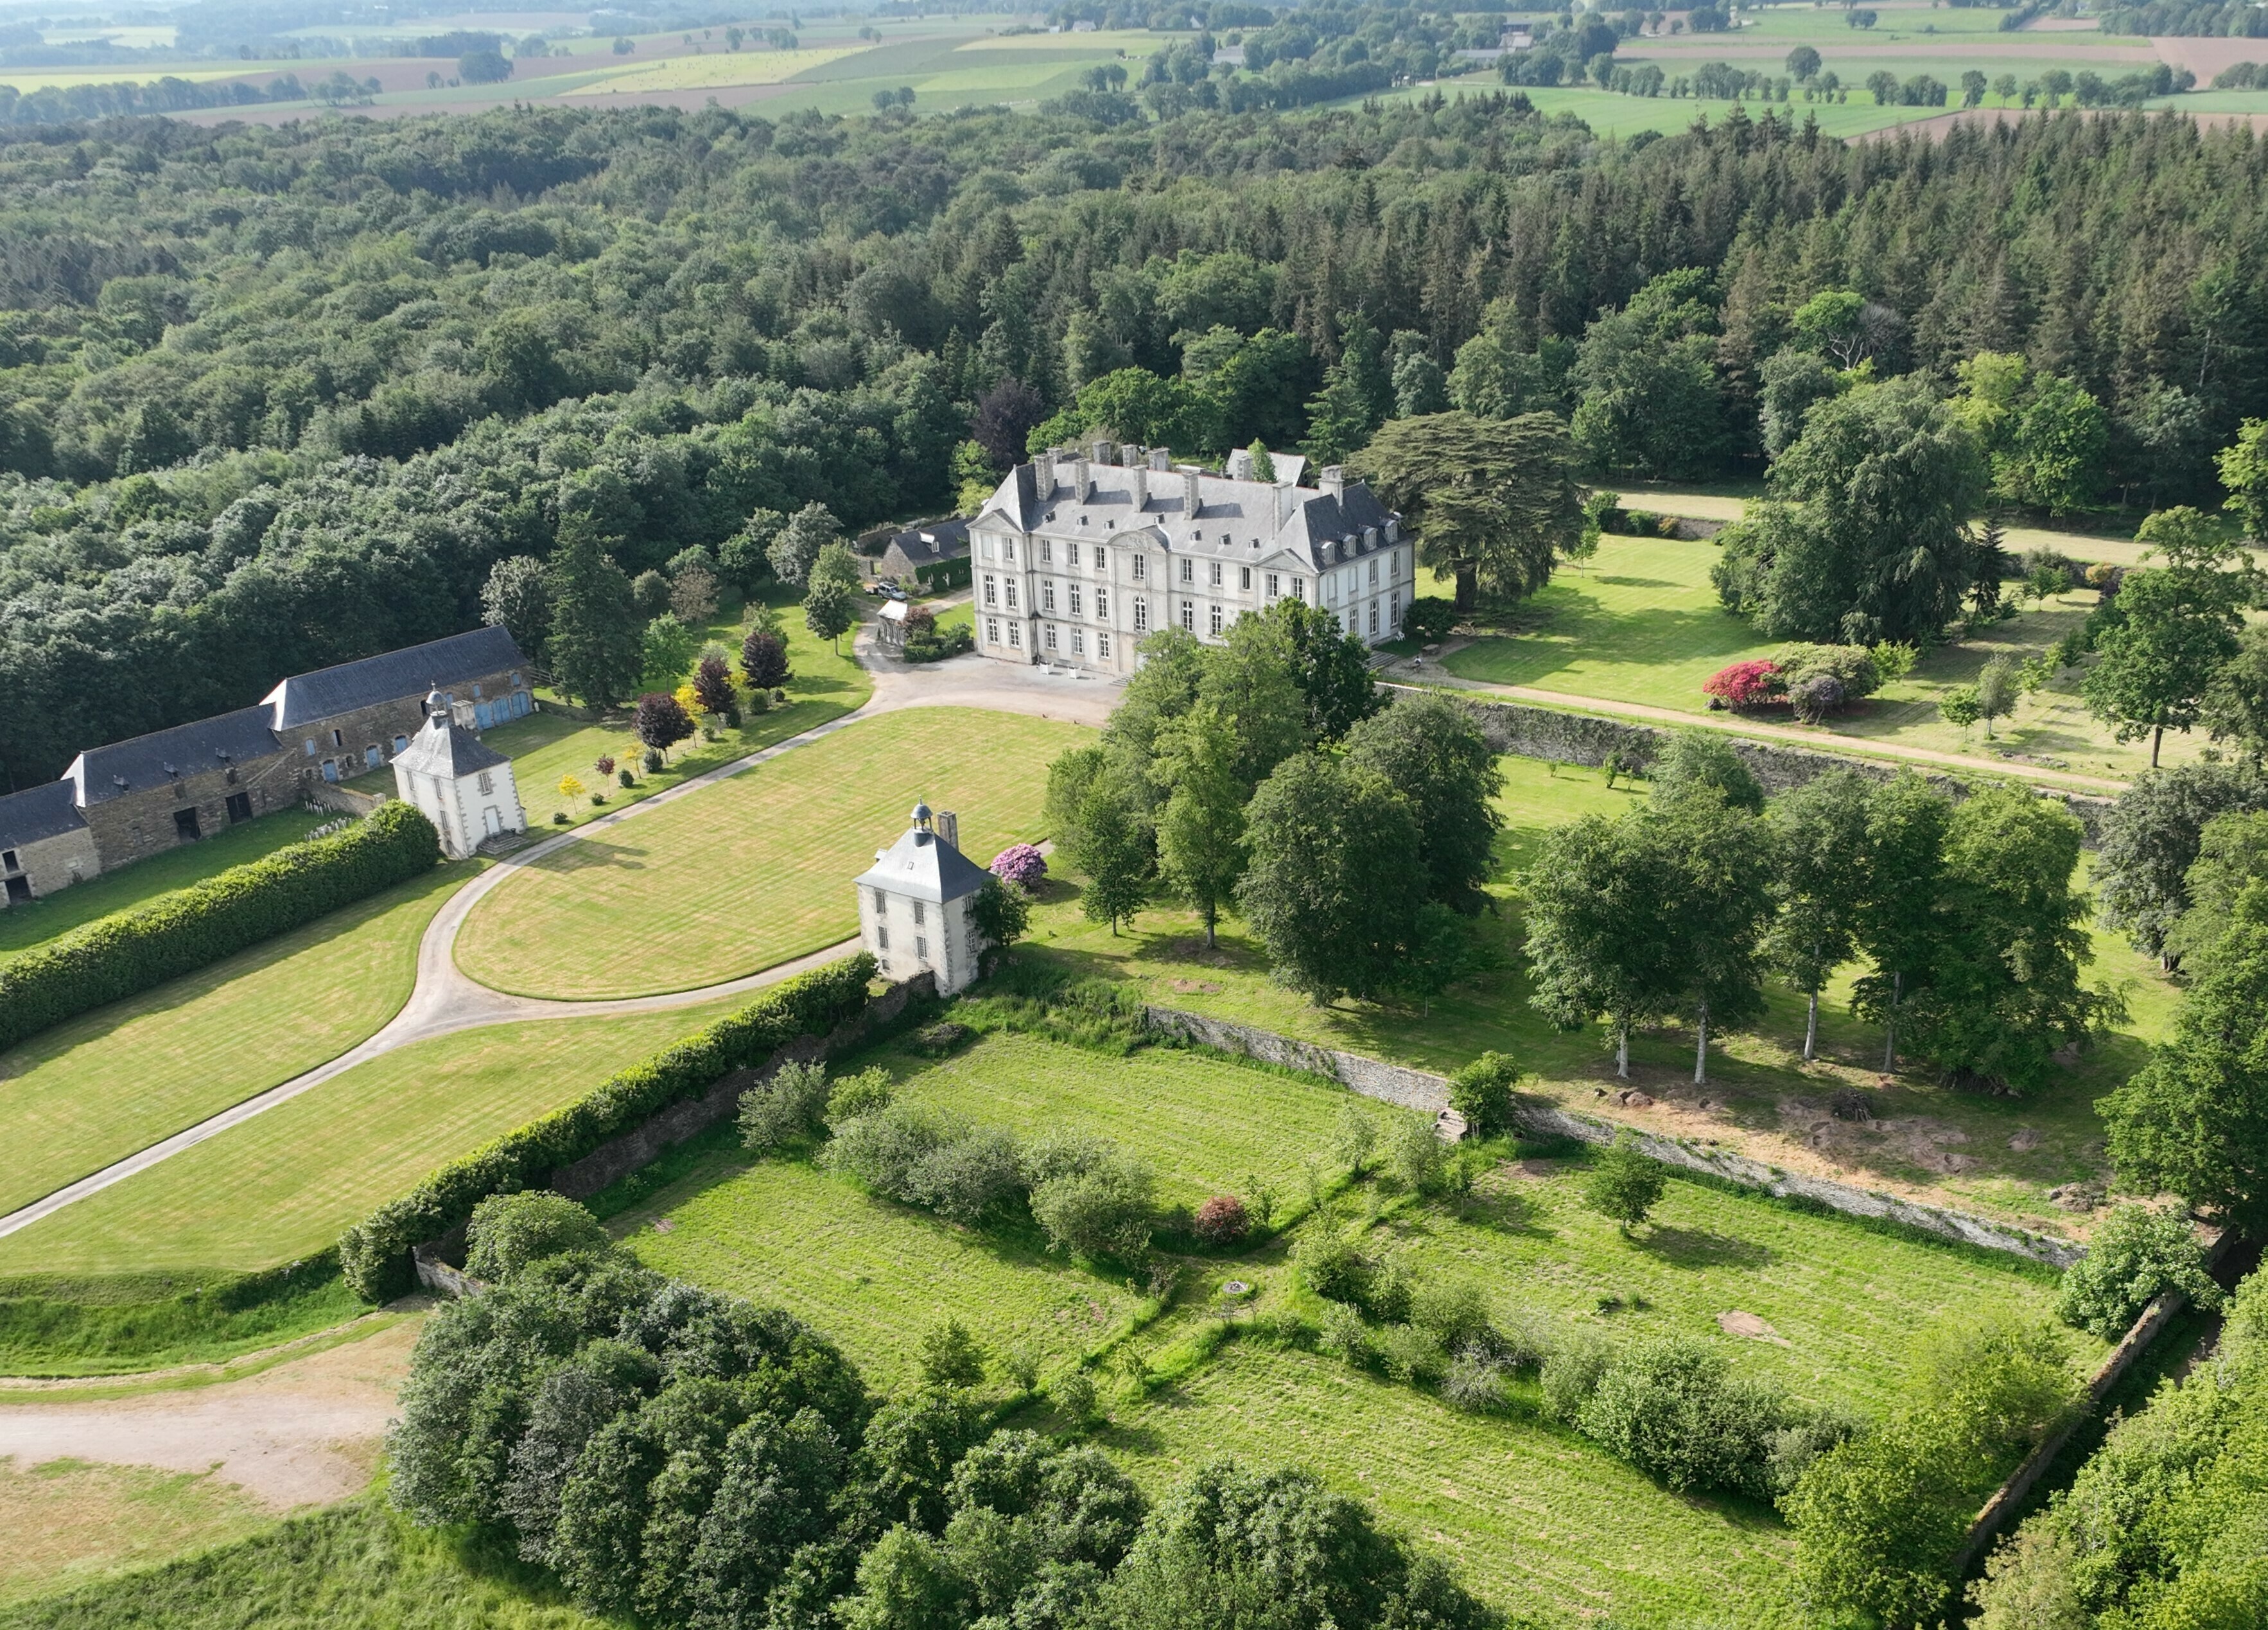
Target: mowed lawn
[(1640, 623), (1844, 1301), (22, 927), (93, 1091), (1993, 1154), (1535, 1520), (870, 1275), (758, 868), (285, 1184)]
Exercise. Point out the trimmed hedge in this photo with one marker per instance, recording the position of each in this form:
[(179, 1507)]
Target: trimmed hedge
[(132, 951), (374, 1254)]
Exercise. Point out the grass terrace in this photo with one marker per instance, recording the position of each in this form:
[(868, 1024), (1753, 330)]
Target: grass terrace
[(96, 1089), (757, 869)]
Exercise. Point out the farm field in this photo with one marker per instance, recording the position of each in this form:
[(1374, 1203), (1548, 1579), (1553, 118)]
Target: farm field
[(1640, 622), (869, 1274), (283, 1184), (95, 1089), (1524, 1507), (1533, 1518), (756, 870), (1930, 1142), (23, 926)]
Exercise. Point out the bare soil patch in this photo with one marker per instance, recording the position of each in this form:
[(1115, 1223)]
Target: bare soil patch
[(1736, 1323)]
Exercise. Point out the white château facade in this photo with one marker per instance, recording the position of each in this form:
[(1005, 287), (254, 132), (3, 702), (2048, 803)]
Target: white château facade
[(463, 786), (1081, 556), (915, 904)]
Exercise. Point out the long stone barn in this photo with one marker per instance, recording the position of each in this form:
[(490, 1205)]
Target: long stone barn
[(118, 803)]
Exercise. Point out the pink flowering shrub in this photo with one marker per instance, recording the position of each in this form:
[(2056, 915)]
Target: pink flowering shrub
[(1020, 864), (1746, 684)]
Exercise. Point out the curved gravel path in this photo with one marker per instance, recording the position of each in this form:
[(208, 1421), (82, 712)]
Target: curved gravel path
[(445, 999)]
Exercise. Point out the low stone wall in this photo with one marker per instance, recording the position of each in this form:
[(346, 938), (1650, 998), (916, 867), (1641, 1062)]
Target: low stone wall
[(1416, 1089), (2146, 1329), (326, 795), (1372, 1078), (635, 1150), (440, 1262), (1527, 731)]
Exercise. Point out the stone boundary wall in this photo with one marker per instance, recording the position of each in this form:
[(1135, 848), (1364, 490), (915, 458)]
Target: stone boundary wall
[(2137, 1341), (439, 1262), (329, 795), (1528, 730), (1416, 1089)]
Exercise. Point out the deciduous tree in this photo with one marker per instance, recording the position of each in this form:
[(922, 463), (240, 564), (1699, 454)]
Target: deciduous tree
[(1430, 750), (1820, 844), (2172, 630)]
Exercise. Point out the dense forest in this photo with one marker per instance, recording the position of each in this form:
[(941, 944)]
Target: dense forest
[(274, 398)]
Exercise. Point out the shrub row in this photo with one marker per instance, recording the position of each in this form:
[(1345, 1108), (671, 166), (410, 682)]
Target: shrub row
[(132, 951), (374, 1254)]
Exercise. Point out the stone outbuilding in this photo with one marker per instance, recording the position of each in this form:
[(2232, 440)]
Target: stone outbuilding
[(464, 786), (44, 843), (142, 796), (342, 721), (916, 904)]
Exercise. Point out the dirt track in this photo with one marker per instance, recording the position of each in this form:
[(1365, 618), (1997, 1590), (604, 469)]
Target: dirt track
[(305, 1433)]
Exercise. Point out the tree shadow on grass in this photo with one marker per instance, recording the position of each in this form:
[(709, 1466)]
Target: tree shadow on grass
[(1700, 1248), (594, 854)]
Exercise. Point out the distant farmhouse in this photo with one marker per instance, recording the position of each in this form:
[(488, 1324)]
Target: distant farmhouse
[(116, 804), (1081, 556)]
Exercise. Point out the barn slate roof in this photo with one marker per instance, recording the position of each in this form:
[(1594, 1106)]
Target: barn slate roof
[(397, 675), (102, 773), (38, 812)]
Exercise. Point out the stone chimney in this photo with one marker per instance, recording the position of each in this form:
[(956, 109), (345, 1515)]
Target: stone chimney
[(1103, 452), (948, 827), (1286, 501), (1160, 459), (1043, 474), (1333, 480), (1240, 464), (1137, 477), (1079, 487), (1190, 500)]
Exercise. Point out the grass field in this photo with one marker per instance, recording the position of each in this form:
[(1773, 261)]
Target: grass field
[(1533, 1518), (1931, 1142), (1641, 622), (70, 1523), (870, 1274), (711, 69), (283, 1184), (357, 1564), (22, 927), (757, 869), (94, 1090)]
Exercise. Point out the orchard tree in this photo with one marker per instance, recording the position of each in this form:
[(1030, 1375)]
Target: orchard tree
[(662, 721), (2172, 628), (2194, 1119), (1820, 844), (1624, 1186), (595, 650), (1430, 749), (1492, 500)]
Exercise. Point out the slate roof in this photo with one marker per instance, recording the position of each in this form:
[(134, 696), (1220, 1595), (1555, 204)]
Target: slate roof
[(920, 546), (1234, 519), (38, 812), (102, 774), (436, 664), (921, 865), (447, 749)]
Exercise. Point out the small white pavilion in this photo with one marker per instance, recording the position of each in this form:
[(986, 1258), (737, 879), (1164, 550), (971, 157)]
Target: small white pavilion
[(916, 904), (464, 786)]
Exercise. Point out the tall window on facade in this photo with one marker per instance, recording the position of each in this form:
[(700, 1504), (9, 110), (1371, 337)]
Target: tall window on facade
[(1373, 616), (1101, 559), (1047, 596), (1216, 619), (1075, 608), (486, 783), (1394, 567), (1079, 642), (1216, 574), (1047, 551), (1141, 616), (991, 630), (991, 595), (1011, 587), (1102, 644), (1141, 567), (1299, 589), (1102, 602), (920, 916), (1008, 549), (1274, 585), (1188, 616), (1048, 636), (1373, 574), (1244, 577), (921, 947), (1188, 571), (1016, 635)]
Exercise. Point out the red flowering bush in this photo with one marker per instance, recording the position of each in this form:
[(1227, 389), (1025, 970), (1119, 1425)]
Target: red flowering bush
[(1746, 684), (1221, 1220), (1020, 864)]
